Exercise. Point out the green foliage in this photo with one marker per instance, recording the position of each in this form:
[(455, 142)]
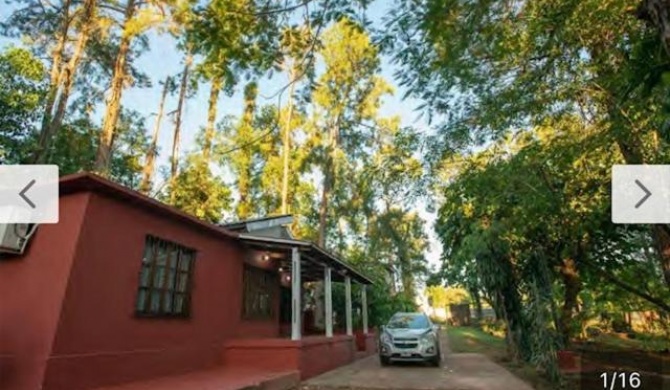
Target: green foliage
[(234, 37), (513, 213), (197, 191), (490, 66), (443, 297), (381, 304), (22, 89)]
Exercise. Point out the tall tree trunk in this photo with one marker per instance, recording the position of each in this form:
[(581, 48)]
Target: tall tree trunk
[(325, 199), (148, 170), (113, 106), (177, 126), (244, 207), (572, 285), (328, 183), (287, 143), (68, 75), (217, 84), (661, 234), (39, 155)]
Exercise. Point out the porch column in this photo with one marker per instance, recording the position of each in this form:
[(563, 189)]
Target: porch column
[(329, 301), (347, 288), (364, 309), (296, 306)]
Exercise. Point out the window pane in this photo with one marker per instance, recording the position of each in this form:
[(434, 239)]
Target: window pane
[(159, 276), (162, 253), (144, 276), (154, 306), (185, 261), (171, 279), (141, 299), (174, 256), (182, 281), (179, 303), (148, 251), (167, 302)]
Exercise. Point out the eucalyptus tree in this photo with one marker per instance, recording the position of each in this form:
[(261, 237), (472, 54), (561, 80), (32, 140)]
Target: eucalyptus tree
[(234, 38), (150, 159), (297, 62), (64, 30), (65, 80), (240, 152), (178, 113), (346, 98), (382, 190), (48, 27), (132, 20)]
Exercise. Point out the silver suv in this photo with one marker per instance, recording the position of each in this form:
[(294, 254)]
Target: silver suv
[(409, 337)]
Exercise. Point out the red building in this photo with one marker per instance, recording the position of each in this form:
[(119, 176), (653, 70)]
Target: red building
[(125, 288)]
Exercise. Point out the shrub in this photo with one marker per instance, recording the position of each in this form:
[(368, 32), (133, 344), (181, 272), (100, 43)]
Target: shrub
[(493, 327)]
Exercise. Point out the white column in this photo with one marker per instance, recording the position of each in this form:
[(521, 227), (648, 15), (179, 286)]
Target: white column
[(329, 301), (347, 288), (296, 306), (364, 309)]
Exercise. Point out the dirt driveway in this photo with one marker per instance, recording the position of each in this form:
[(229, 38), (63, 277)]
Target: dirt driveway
[(462, 371)]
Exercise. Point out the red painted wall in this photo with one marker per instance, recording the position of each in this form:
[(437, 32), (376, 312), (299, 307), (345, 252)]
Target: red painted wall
[(31, 291), (371, 343), (94, 338), (311, 355), (101, 341)]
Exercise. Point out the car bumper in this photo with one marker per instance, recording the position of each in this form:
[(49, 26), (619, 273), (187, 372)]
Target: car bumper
[(420, 353)]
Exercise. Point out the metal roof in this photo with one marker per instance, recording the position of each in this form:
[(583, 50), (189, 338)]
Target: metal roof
[(317, 257), (275, 220)]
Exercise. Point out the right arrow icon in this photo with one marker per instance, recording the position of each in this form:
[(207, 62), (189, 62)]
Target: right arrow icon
[(646, 196)]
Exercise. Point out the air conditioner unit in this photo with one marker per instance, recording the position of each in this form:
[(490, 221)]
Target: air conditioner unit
[(14, 237)]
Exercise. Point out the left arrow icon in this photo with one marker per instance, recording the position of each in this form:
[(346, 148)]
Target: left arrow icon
[(25, 189)]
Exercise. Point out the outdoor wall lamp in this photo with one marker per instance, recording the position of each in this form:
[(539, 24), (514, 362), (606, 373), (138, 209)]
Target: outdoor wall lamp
[(265, 257)]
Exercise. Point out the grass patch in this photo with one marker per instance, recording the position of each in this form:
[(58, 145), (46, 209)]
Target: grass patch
[(467, 339), (473, 340)]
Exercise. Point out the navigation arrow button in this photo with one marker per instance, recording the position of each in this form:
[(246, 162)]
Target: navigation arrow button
[(646, 196), (23, 196), (641, 194)]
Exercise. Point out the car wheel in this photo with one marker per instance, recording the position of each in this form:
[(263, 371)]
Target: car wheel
[(436, 360), (384, 361)]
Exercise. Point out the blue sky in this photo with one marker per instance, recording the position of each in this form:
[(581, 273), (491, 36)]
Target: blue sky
[(163, 59)]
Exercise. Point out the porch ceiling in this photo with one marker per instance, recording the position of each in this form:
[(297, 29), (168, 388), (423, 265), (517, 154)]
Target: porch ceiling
[(313, 259)]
